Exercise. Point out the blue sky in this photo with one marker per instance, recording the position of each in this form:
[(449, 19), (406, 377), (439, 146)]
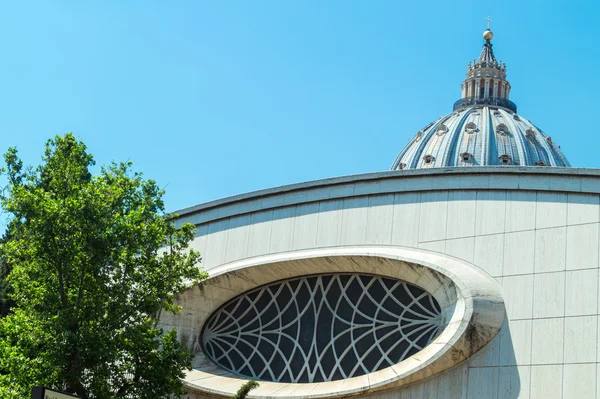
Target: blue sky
[(217, 98)]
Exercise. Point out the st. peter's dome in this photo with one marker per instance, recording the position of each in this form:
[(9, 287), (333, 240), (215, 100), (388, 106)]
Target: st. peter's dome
[(483, 129)]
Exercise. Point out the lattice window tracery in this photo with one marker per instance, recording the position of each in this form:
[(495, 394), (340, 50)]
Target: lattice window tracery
[(321, 328)]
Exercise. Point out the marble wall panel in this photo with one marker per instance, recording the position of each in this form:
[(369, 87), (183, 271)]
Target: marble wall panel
[(491, 212), (518, 296), (520, 210), (216, 243), (489, 253), (546, 382), (461, 214), (583, 208), (519, 252), (199, 242), (462, 248), (581, 335), (329, 229), (513, 382), (483, 382), (581, 292), (549, 295), (354, 221), (579, 381), (282, 229), (550, 249), (405, 231), (305, 226), (433, 216), (379, 219), (582, 246), (551, 210), (547, 343), (515, 343), (237, 237), (259, 235)]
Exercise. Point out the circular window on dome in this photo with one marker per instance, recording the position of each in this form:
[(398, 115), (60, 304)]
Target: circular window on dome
[(502, 129), (470, 128), (321, 328)]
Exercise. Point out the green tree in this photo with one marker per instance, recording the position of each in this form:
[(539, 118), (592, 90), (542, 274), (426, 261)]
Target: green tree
[(245, 390), (94, 260)]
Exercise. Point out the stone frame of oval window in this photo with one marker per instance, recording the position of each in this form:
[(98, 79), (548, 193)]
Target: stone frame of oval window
[(470, 299)]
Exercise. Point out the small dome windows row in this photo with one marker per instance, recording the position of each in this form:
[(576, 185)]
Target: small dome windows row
[(442, 129), (505, 159), (470, 128), (502, 129), (466, 158)]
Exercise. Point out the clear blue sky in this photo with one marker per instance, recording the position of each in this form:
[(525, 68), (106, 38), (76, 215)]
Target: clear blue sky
[(217, 98)]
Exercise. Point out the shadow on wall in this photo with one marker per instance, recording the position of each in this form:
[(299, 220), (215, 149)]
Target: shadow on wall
[(492, 373)]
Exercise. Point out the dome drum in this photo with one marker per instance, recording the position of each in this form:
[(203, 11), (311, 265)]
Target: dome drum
[(468, 102)]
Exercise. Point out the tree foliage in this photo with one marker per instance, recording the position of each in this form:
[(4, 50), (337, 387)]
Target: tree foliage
[(94, 260), (245, 389)]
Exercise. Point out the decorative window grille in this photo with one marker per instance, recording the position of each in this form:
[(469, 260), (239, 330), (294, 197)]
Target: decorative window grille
[(321, 328)]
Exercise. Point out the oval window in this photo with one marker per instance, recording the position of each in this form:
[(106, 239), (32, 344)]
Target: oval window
[(321, 328)]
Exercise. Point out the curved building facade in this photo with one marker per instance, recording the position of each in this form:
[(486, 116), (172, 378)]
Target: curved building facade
[(430, 281)]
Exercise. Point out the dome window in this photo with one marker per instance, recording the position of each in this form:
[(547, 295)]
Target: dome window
[(502, 129), (497, 113), (466, 157), (505, 159), (549, 141), (530, 133), (471, 128), (419, 135), (428, 159), (401, 166), (540, 163), (442, 129), (516, 117)]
